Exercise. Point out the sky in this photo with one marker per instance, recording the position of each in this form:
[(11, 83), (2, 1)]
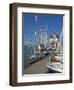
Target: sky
[(32, 22)]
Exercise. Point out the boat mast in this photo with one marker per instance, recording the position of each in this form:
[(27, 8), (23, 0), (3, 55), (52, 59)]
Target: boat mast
[(35, 34), (59, 43)]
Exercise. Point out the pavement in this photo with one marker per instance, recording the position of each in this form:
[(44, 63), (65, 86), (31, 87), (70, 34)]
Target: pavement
[(38, 67)]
